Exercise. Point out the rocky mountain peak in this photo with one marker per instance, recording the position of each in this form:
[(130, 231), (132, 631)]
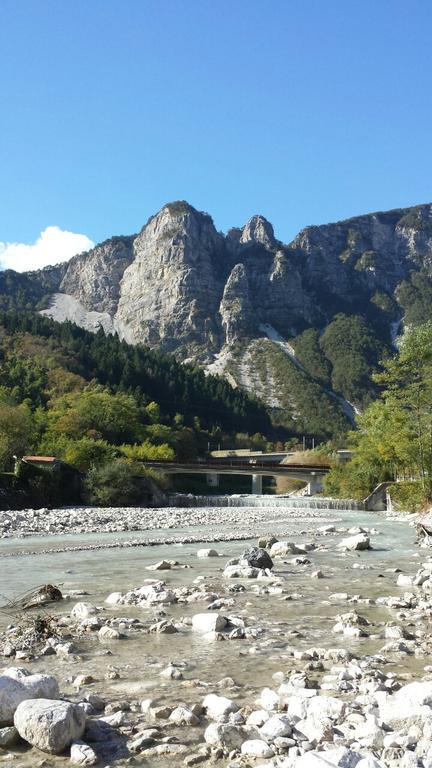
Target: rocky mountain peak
[(170, 292), (258, 230), (176, 223)]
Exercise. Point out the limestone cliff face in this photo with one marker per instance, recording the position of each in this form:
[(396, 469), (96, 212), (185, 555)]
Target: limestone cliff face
[(170, 294), (94, 277), (236, 308), (373, 252)]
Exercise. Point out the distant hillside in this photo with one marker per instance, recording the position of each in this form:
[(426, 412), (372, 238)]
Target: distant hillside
[(39, 356)]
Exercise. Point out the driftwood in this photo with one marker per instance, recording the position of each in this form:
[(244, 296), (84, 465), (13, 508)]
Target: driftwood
[(36, 597), (424, 534)]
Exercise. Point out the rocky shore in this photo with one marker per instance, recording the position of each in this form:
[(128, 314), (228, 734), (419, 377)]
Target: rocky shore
[(55, 522), (214, 661)]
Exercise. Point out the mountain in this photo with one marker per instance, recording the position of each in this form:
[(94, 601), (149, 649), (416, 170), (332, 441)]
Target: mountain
[(300, 325)]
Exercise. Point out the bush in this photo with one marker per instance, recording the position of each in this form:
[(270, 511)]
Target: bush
[(407, 496), (81, 454), (112, 485)]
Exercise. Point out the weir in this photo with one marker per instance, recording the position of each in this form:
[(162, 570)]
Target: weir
[(265, 501)]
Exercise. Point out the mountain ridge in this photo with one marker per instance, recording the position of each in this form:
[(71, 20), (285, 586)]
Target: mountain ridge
[(336, 293)]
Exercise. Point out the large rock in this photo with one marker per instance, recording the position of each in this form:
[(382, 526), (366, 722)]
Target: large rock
[(218, 707), (257, 558), (83, 610), (183, 716), (320, 714), (207, 553), (275, 726), (359, 542), (241, 572), (48, 724), (256, 748), (409, 705), (208, 622), (227, 736), (17, 685), (283, 548), (82, 754)]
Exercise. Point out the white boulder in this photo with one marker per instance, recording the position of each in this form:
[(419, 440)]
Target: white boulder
[(269, 700), (48, 724), (411, 703), (241, 572), (17, 685), (82, 754), (114, 598), (207, 553), (183, 716), (161, 565), (83, 610), (283, 548), (256, 748), (275, 726), (227, 736), (219, 707), (208, 622), (108, 633), (359, 542)]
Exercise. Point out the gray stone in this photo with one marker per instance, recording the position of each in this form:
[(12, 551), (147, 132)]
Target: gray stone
[(257, 558), (82, 754), (83, 610), (17, 685), (218, 707), (359, 542), (208, 622), (227, 736), (49, 725), (256, 748), (8, 736)]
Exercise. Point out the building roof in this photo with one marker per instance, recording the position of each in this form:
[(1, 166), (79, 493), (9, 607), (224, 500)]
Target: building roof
[(40, 459)]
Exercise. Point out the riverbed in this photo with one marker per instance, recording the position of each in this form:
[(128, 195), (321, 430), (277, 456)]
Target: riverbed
[(285, 615)]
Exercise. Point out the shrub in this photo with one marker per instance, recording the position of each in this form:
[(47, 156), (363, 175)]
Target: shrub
[(407, 496), (112, 484)]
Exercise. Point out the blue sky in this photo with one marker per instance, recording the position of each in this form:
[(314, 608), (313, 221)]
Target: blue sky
[(306, 111)]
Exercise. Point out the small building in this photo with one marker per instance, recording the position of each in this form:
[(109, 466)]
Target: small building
[(62, 484), (45, 462)]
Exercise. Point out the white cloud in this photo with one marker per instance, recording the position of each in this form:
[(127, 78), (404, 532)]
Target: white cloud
[(52, 246)]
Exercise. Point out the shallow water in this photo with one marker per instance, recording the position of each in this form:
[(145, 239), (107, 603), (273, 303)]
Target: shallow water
[(299, 623)]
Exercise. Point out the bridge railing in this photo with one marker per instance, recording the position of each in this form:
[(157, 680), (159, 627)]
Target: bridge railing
[(214, 466)]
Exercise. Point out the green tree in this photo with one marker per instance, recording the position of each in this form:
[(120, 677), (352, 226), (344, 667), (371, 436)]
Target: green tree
[(394, 434), (407, 379), (112, 484), (147, 451), (97, 413), (82, 453), (16, 431)]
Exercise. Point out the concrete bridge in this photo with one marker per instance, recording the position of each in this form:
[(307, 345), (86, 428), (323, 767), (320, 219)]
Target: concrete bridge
[(256, 468)]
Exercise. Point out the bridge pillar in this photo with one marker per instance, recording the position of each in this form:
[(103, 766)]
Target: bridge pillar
[(314, 484), (212, 479), (256, 483)]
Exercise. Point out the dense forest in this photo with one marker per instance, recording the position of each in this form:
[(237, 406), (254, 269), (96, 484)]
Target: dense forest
[(93, 400)]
